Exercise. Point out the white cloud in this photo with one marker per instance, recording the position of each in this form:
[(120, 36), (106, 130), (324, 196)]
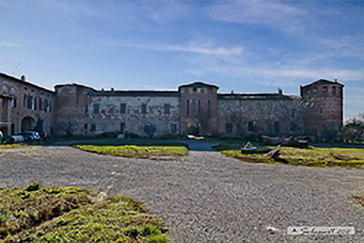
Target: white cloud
[(234, 51), (271, 13), (9, 44)]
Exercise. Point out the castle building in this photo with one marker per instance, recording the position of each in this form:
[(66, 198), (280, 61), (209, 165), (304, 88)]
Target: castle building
[(73, 109)]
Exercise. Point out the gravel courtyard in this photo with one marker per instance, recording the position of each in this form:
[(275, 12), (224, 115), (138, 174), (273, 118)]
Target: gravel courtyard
[(205, 197)]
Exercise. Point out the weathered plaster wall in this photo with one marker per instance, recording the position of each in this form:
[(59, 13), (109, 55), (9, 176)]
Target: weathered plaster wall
[(109, 117)]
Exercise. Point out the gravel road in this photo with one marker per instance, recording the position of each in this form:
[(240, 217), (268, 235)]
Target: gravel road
[(205, 197)]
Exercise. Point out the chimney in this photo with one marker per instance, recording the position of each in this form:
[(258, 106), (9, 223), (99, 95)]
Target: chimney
[(102, 89), (112, 89), (232, 91), (22, 78), (335, 80), (280, 91)]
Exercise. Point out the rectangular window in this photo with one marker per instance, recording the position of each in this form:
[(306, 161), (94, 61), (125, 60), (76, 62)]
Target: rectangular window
[(324, 89), (167, 109), (25, 101), (122, 108), (96, 108), (13, 103), (86, 127), (50, 106), (86, 109), (334, 90), (93, 128), (276, 126), (199, 107), (122, 127), (293, 127), (40, 104), (46, 105), (144, 109), (188, 108), (208, 109), (251, 126), (30, 102), (173, 127), (322, 110), (35, 103), (229, 127)]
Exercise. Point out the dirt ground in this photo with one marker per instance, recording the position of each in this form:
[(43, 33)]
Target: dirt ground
[(205, 197)]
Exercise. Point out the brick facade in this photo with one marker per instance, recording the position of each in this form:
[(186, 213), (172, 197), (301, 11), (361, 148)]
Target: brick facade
[(81, 110)]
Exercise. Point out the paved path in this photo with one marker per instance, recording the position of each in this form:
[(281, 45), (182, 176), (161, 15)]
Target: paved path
[(205, 197)]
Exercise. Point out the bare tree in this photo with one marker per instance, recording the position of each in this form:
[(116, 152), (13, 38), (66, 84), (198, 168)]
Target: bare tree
[(240, 119), (354, 128), (68, 127), (296, 113)]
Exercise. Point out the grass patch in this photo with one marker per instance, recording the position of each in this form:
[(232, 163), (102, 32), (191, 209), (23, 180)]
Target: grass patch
[(67, 214), (9, 146), (320, 157), (141, 151)]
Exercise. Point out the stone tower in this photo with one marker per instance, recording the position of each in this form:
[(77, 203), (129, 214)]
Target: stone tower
[(326, 112), (198, 107)]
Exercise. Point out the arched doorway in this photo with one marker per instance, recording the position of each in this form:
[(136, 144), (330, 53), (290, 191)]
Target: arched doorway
[(27, 123), (193, 128)]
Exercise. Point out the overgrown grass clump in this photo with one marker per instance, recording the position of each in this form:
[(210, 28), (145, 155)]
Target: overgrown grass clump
[(359, 199), (135, 151), (320, 157), (9, 146), (67, 214)]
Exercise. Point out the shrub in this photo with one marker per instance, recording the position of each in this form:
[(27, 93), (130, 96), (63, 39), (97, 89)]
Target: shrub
[(169, 136), (149, 129), (108, 135), (131, 135), (252, 137), (224, 136)]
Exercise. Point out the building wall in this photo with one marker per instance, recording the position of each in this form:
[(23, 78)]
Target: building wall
[(71, 115), (198, 104), (23, 108), (270, 116), (72, 109), (328, 111), (109, 118)]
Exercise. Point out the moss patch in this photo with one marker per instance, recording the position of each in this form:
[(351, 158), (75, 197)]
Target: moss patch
[(135, 151), (320, 157), (67, 214)]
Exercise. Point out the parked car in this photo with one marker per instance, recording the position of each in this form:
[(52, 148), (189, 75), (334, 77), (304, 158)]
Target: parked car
[(30, 136), (44, 136)]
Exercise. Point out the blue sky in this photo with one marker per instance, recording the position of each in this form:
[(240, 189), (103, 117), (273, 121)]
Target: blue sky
[(246, 46)]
